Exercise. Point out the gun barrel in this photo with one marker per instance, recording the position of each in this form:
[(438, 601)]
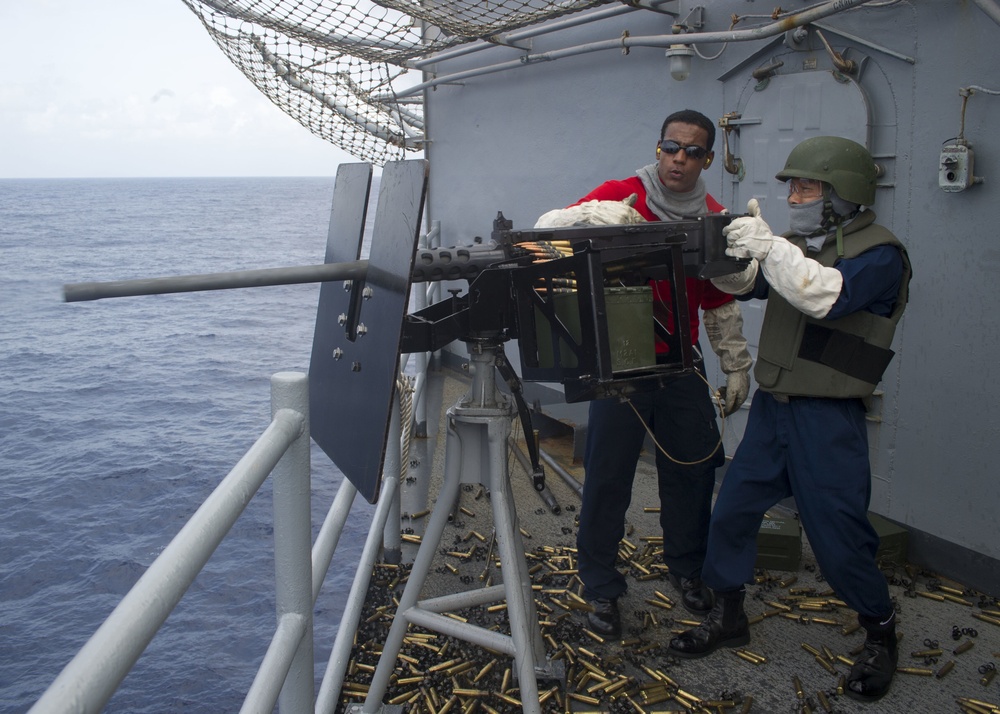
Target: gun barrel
[(77, 292)]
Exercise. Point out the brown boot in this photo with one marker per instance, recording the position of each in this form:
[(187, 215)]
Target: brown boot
[(871, 674), (725, 626)]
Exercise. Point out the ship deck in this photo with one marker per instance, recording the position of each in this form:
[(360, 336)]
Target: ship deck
[(803, 638)]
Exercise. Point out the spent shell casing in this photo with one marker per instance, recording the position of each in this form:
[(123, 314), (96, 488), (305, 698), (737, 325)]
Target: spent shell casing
[(986, 618), (824, 701), (944, 669), (797, 686), (927, 653), (509, 699), (954, 598), (811, 650), (463, 692), (919, 671), (964, 647), (747, 704), (826, 665)]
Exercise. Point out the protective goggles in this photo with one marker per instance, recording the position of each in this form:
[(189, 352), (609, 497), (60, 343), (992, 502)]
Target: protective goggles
[(672, 147), (805, 188)]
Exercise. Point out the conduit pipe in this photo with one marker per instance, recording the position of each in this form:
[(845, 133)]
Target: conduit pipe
[(623, 43)]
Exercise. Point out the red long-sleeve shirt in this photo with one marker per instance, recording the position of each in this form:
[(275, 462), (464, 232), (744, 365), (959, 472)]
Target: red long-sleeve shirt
[(701, 293)]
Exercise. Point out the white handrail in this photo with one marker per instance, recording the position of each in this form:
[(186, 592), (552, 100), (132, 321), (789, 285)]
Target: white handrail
[(92, 676)]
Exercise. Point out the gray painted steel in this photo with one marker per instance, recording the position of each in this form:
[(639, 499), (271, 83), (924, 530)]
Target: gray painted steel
[(352, 376), (538, 137)]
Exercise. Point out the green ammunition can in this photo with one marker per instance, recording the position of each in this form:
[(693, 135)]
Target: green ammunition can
[(630, 328), (892, 540), (779, 544)]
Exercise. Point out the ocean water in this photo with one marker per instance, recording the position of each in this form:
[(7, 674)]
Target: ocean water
[(119, 416)]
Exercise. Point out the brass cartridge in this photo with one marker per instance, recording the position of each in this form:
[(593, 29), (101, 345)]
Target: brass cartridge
[(463, 692), (986, 618), (964, 647), (826, 665), (954, 598), (594, 636), (944, 669), (509, 699), (919, 671)]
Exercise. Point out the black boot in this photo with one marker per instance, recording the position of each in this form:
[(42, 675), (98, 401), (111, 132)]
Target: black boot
[(605, 619), (871, 674), (725, 626), (696, 597)]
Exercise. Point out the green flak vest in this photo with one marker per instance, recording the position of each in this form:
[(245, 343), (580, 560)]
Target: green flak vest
[(844, 358)]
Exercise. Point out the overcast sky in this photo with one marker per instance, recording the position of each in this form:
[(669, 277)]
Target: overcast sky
[(99, 88)]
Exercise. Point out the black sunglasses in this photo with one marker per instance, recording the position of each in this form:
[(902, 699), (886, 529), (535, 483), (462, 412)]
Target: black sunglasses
[(693, 151)]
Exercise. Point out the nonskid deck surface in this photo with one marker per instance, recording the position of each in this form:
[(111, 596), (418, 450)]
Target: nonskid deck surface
[(803, 638)]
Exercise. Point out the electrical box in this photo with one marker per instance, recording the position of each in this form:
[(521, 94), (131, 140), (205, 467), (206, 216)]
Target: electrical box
[(955, 170)]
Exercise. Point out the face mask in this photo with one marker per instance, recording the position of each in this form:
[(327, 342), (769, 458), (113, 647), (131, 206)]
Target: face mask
[(804, 219)]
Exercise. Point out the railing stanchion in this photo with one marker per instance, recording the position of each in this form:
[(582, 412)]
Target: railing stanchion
[(293, 540)]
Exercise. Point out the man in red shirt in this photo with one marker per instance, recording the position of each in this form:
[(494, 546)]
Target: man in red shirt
[(680, 415)]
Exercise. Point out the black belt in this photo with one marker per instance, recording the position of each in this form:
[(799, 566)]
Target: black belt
[(845, 353)]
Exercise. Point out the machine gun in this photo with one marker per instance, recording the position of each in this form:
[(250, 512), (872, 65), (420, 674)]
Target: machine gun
[(556, 305)]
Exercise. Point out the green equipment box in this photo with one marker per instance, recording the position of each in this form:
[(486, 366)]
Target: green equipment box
[(779, 544), (630, 328), (893, 540)]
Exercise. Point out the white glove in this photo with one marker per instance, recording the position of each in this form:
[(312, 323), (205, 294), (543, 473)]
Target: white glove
[(724, 328), (593, 213), (807, 285), (738, 283), (749, 236)]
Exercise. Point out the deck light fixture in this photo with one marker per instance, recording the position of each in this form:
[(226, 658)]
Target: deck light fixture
[(680, 61)]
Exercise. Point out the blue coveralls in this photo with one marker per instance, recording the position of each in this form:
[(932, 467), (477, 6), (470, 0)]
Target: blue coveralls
[(815, 449), (682, 418)]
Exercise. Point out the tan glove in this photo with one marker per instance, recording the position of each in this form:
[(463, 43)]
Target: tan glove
[(593, 213), (724, 328)]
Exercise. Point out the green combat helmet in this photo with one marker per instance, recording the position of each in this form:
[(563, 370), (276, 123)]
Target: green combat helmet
[(844, 164)]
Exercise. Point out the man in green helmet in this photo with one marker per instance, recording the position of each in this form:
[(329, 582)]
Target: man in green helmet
[(836, 285)]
